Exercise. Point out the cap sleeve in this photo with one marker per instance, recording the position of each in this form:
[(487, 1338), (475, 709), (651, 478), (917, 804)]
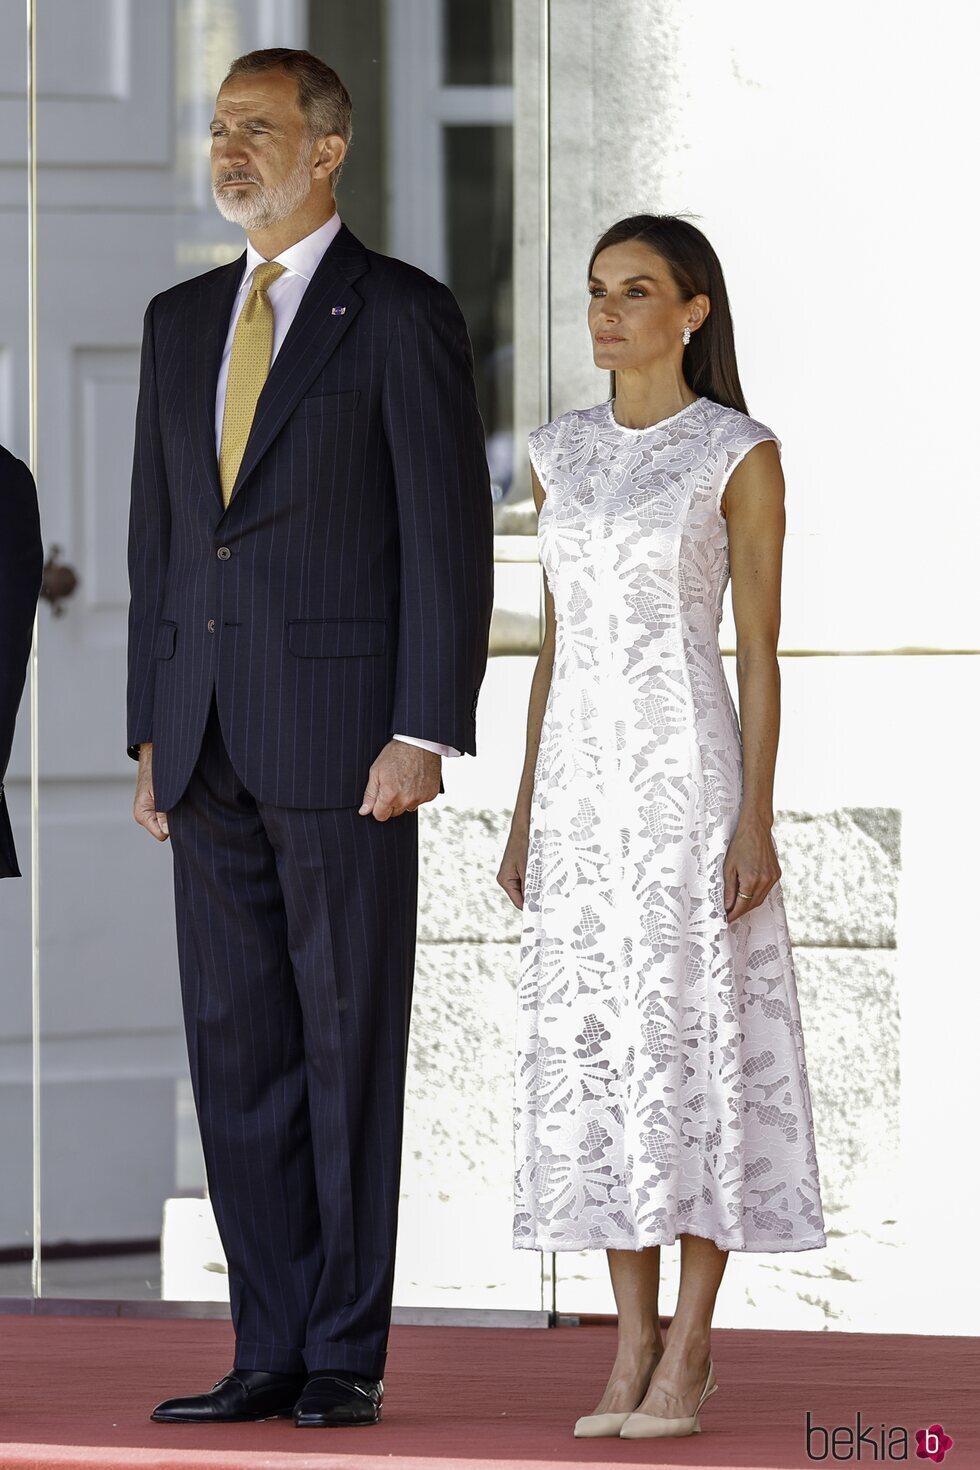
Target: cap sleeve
[(739, 436), (540, 445)]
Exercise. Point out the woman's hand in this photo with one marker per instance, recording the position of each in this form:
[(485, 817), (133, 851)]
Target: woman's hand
[(751, 866), (513, 866)]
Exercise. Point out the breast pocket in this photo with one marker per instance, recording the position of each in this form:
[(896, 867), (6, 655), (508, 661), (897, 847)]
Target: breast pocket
[(336, 637), (324, 405)]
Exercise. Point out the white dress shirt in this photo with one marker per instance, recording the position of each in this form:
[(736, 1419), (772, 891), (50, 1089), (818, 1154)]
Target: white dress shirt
[(285, 295)]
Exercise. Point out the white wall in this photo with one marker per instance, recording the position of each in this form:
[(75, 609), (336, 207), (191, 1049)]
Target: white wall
[(827, 153)]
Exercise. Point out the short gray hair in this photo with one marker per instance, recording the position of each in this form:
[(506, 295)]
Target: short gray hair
[(323, 99)]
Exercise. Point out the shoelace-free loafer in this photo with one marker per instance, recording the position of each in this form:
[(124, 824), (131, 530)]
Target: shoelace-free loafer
[(243, 1394), (338, 1401)]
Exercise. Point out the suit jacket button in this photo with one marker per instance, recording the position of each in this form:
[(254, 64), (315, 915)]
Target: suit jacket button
[(223, 553), (210, 625)]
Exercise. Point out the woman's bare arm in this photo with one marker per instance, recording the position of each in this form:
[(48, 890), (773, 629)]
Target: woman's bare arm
[(754, 502), (513, 866)]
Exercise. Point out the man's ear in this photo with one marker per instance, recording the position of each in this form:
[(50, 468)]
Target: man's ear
[(328, 154)]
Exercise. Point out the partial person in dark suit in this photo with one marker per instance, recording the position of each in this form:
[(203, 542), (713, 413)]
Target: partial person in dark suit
[(21, 559), (311, 570)]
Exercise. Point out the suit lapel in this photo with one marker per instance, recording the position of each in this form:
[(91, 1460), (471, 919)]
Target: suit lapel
[(316, 332), (207, 336)]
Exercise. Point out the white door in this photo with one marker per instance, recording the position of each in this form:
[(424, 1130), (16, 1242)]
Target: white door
[(125, 90)]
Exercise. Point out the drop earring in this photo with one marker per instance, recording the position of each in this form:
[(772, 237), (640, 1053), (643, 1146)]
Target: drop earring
[(687, 335)]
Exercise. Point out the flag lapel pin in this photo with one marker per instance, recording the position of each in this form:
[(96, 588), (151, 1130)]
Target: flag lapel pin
[(338, 310)]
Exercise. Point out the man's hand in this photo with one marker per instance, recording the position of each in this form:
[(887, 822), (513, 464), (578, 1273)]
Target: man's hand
[(401, 779), (144, 806)]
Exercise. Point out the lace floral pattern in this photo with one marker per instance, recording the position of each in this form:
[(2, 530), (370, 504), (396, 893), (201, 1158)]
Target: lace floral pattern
[(661, 1083)]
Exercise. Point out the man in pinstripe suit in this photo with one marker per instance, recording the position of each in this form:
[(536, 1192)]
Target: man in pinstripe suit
[(311, 577)]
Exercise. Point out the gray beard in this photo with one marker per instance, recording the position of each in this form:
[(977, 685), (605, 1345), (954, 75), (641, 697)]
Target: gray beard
[(268, 204)]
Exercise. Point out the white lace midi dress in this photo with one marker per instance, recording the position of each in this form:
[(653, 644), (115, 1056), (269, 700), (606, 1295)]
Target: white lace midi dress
[(661, 1082)]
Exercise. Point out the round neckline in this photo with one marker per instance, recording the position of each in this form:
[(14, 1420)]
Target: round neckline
[(648, 428)]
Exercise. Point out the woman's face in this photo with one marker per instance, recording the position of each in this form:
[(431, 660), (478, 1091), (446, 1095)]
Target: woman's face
[(636, 315)]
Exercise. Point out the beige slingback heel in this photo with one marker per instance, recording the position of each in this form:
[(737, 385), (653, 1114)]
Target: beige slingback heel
[(655, 1426)]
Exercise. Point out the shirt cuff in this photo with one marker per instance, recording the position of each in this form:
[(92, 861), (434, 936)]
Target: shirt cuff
[(432, 745)]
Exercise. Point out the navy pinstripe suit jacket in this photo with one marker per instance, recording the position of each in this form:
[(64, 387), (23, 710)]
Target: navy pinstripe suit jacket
[(346, 592)]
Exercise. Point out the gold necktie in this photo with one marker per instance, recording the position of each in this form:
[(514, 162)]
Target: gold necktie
[(251, 354)]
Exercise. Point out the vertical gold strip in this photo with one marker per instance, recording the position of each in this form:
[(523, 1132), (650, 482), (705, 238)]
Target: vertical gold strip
[(35, 774)]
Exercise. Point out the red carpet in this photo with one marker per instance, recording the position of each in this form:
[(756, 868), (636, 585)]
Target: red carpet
[(75, 1392)]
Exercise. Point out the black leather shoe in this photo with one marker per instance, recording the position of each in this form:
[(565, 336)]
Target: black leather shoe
[(338, 1401), (245, 1393)]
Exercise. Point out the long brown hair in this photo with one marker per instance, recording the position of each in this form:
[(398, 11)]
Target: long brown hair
[(709, 361)]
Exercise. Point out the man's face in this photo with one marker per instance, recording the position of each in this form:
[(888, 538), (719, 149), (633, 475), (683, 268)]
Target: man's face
[(261, 151)]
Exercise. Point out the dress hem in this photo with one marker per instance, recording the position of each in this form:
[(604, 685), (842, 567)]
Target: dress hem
[(776, 1248)]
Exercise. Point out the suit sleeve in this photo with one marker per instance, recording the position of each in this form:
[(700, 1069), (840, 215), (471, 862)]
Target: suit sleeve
[(149, 546), (21, 559), (445, 517)]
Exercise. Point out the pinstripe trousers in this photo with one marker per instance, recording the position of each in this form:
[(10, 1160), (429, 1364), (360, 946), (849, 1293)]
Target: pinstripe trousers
[(296, 941)]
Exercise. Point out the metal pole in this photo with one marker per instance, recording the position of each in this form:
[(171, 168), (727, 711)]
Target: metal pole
[(546, 206), (546, 383), (35, 774), (544, 259)]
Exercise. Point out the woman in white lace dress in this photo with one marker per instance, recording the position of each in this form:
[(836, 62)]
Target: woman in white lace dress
[(661, 1079)]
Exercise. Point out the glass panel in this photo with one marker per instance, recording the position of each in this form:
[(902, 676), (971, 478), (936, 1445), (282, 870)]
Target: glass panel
[(353, 39), (719, 116), (478, 42), (16, 1153), (450, 192), (480, 224), (124, 214), (124, 217)]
